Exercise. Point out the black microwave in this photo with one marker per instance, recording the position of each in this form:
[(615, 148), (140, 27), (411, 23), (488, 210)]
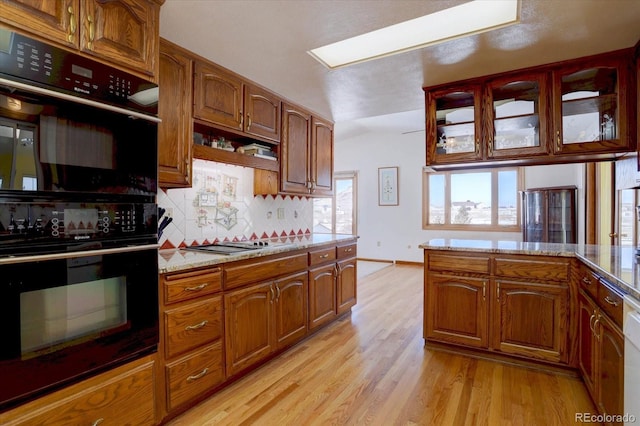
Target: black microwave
[(70, 124)]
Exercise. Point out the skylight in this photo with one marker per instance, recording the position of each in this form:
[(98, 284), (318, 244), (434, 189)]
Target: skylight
[(466, 19)]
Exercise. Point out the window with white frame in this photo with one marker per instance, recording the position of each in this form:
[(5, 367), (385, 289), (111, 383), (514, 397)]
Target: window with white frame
[(482, 199)]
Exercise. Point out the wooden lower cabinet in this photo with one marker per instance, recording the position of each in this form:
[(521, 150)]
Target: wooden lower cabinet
[(263, 318), (601, 356), (456, 310), (472, 304), (322, 295), (122, 396), (531, 320), (347, 289)]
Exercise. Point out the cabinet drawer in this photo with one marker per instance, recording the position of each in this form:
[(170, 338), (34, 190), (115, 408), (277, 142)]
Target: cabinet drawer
[(546, 269), (192, 284), (260, 270), (190, 326), (610, 300), (189, 377), (317, 257), (124, 396), (453, 263), (347, 251), (588, 281)]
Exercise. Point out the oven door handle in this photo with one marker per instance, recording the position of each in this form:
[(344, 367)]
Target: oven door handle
[(78, 100), (75, 254)]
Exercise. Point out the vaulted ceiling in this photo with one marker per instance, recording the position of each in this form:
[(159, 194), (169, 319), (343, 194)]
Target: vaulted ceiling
[(267, 41)]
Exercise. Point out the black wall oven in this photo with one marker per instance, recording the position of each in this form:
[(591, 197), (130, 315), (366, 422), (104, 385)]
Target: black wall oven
[(78, 218)]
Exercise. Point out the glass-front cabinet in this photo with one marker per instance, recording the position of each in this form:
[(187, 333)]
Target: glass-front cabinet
[(549, 215), (590, 103), (453, 125), (517, 116)]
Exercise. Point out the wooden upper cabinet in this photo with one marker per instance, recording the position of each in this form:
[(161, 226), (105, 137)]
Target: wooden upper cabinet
[(53, 20), (591, 105), (295, 150), (517, 113), (218, 96), (454, 124), (541, 115), (175, 133), (124, 33), (262, 112), (321, 158)]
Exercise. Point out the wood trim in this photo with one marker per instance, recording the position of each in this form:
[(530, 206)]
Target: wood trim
[(591, 214)]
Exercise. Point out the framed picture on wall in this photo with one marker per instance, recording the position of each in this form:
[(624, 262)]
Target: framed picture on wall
[(388, 186)]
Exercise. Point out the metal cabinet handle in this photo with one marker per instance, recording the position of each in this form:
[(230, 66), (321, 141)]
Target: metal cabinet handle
[(324, 256), (197, 326), (484, 289), (348, 250), (277, 292), (97, 422), (196, 288), (92, 31), (498, 292), (248, 121), (198, 376), (595, 325), (591, 323), (558, 144), (611, 302), (273, 295), (241, 119), (73, 25), (586, 280)]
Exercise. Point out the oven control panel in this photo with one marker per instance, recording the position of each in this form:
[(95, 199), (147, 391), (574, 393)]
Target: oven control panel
[(76, 221)]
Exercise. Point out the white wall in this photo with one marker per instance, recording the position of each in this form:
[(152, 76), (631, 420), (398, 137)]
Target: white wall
[(394, 232)]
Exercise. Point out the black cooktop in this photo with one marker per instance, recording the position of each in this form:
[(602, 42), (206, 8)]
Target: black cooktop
[(230, 247)]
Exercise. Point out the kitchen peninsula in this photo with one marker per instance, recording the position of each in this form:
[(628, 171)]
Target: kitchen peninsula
[(544, 305)]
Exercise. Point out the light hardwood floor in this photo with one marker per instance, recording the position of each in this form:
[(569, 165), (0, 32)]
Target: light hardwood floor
[(372, 368)]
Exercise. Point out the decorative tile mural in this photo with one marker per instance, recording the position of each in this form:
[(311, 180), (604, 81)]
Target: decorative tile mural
[(220, 206)]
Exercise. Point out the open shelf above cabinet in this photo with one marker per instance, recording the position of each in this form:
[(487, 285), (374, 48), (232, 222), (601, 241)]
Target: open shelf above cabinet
[(205, 136)]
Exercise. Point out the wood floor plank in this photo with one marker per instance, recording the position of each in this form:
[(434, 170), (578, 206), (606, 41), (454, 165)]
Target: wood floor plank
[(372, 368)]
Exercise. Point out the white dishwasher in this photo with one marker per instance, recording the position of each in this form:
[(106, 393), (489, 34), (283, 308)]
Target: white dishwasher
[(631, 329)]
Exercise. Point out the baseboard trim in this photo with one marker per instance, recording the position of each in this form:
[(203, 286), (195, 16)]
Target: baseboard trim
[(397, 262)]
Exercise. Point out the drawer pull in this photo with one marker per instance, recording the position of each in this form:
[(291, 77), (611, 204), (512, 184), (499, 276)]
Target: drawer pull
[(196, 288), (611, 302), (198, 376), (586, 280), (97, 422), (196, 326), (324, 256), (348, 250)]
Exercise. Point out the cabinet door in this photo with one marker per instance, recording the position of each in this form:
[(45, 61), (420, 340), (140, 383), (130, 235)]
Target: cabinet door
[(454, 125), (295, 150), (218, 96), (248, 326), (587, 314), (347, 291), (591, 106), (456, 310), (125, 32), (518, 116), (322, 295), (611, 367), (262, 113), (321, 157), (54, 20), (534, 212), (561, 216), (531, 320), (175, 133), (291, 308)]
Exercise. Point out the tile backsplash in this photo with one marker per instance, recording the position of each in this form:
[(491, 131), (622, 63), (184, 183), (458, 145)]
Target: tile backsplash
[(220, 205)]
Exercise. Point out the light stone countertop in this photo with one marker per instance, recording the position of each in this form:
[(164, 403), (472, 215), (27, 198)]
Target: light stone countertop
[(617, 265), (175, 260)]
